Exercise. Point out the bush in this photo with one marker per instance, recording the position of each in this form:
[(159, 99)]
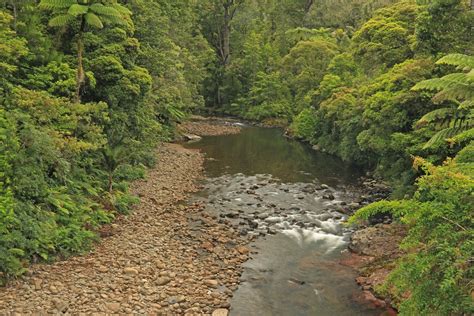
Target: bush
[(304, 125), (435, 276)]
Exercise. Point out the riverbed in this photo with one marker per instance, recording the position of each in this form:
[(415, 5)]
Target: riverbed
[(286, 199)]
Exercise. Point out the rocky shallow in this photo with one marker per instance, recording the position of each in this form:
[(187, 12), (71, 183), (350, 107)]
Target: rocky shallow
[(169, 257), (165, 258), (212, 126)]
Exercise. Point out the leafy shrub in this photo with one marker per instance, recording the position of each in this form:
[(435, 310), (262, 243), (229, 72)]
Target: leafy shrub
[(435, 276), (304, 125)]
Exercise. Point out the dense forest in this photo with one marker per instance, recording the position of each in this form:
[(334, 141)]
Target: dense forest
[(88, 88)]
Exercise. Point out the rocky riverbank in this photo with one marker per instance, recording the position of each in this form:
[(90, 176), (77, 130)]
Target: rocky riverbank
[(208, 126), (374, 247), (165, 258)]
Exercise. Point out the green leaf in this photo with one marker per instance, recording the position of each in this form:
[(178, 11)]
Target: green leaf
[(77, 9), (123, 10), (56, 4), (101, 9), (93, 20), (61, 20), (459, 60)]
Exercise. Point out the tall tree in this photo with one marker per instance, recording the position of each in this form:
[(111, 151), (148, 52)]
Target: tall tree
[(90, 14)]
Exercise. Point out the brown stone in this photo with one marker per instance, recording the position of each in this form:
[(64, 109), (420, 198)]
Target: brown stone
[(112, 307), (130, 271), (243, 250), (220, 312)]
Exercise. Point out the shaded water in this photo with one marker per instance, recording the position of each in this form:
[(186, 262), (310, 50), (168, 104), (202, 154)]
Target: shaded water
[(285, 197), (265, 151)]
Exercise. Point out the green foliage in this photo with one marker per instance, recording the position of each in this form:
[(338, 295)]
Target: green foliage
[(445, 26), (93, 14), (434, 277), (304, 124), (457, 90), (385, 40), (65, 167)]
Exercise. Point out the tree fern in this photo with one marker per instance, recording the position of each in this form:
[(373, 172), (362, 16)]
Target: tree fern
[(101, 9), (458, 60), (92, 14), (77, 9), (457, 88), (56, 4), (61, 20), (93, 20)]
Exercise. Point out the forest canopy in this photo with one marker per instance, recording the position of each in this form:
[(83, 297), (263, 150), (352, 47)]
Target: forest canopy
[(89, 88)]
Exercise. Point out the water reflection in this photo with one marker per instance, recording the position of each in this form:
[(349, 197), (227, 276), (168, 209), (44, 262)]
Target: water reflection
[(296, 270), (265, 151)]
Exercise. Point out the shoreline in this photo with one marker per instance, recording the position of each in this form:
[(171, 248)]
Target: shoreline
[(165, 257), (373, 248)]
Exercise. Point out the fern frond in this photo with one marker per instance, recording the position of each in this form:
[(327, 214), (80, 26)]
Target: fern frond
[(444, 135), (436, 116), (123, 10), (61, 20), (462, 137), (101, 9), (454, 93), (459, 60), (93, 20), (434, 84), (77, 9), (467, 105), (110, 19), (56, 4)]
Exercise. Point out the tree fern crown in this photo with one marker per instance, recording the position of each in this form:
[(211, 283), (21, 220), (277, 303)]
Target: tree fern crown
[(93, 14)]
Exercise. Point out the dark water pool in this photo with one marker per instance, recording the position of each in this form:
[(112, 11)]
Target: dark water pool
[(285, 197), (265, 151)]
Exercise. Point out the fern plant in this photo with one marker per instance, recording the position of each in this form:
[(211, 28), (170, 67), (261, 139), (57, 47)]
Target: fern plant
[(90, 14), (458, 88)]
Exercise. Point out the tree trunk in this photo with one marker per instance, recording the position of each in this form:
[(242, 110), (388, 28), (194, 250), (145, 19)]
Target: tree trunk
[(111, 182), (80, 77), (309, 4), (15, 15), (226, 35)]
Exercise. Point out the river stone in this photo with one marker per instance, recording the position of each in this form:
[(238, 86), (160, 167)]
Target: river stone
[(112, 307), (130, 271), (192, 137), (163, 281), (211, 283), (243, 250), (220, 312)]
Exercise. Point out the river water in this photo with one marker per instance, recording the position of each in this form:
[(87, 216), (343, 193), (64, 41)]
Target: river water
[(286, 198)]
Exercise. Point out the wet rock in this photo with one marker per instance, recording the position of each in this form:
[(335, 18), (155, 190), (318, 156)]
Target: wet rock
[(232, 214), (329, 196), (243, 250), (367, 298), (192, 137), (296, 281), (253, 224)]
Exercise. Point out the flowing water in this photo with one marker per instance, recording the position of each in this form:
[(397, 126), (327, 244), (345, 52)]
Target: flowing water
[(287, 198)]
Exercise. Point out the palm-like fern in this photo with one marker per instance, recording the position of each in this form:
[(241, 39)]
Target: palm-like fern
[(91, 14), (451, 122)]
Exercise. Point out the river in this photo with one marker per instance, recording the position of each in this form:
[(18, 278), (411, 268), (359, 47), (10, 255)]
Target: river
[(286, 198)]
